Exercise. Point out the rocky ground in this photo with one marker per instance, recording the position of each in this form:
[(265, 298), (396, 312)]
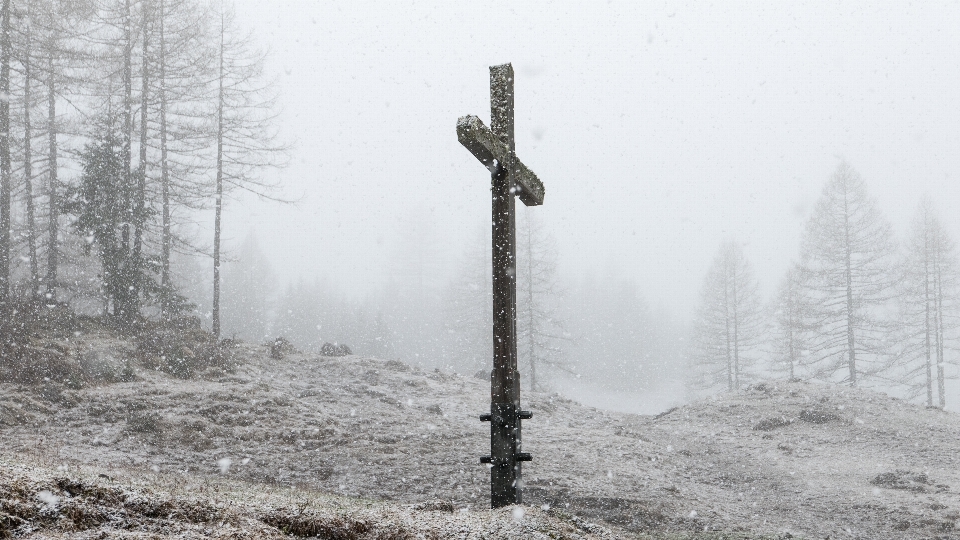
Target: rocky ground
[(778, 460)]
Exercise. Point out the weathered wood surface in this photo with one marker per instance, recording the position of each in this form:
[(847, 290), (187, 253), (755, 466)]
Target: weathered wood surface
[(490, 150), (506, 477), (495, 148)]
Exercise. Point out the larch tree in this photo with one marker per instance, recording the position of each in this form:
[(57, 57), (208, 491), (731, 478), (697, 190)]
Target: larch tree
[(728, 326), (114, 49), (157, 55), (149, 70), (540, 328), (183, 56), (929, 306), (44, 55), (59, 53), (246, 136), (789, 326), (5, 165), (28, 74), (848, 256)]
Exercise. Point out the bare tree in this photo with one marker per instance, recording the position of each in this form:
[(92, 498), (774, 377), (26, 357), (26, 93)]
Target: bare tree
[(246, 140), (848, 256), (5, 172), (179, 83), (789, 326), (727, 328), (26, 60), (929, 305), (108, 100), (540, 328), (38, 54)]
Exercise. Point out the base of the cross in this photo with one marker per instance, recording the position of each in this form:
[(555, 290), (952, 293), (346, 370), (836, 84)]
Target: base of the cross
[(505, 459)]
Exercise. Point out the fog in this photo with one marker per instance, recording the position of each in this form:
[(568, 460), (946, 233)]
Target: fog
[(247, 271), (659, 130)]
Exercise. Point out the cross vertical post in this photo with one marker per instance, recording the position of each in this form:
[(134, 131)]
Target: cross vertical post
[(506, 474), (495, 148)]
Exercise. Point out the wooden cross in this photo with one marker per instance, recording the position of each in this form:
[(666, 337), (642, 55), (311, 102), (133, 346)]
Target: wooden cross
[(495, 148)]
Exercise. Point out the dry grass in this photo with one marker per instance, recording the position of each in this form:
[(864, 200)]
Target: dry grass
[(38, 502)]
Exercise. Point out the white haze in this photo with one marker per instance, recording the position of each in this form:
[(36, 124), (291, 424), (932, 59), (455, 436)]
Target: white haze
[(659, 129)]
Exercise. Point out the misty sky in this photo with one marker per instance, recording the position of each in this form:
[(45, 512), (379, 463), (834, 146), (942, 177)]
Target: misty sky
[(659, 129)]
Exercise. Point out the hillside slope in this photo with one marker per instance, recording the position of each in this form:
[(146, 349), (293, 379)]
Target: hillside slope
[(805, 459)]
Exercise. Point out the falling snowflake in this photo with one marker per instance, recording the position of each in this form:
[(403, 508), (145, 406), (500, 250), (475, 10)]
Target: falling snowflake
[(49, 499)]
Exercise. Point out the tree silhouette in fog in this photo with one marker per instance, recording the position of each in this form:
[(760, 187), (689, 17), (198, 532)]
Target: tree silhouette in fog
[(847, 254)]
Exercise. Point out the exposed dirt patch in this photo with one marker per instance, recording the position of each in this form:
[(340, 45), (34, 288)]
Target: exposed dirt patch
[(916, 482)]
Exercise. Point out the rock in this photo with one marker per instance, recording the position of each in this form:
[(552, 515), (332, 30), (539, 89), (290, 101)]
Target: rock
[(434, 506), (333, 349), (818, 416)]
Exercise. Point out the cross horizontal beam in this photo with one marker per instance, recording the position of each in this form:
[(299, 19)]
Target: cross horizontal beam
[(490, 150)]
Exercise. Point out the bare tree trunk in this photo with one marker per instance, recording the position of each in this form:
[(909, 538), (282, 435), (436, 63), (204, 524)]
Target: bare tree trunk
[(736, 333), (5, 155), (165, 239), (28, 167), (533, 363), (792, 347), (127, 149), (726, 321), (122, 302), (851, 343), (219, 200), (938, 321), (54, 218), (142, 166), (926, 308)]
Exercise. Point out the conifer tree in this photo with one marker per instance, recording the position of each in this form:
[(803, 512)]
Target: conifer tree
[(727, 329), (246, 139), (540, 328), (104, 208), (848, 256), (929, 293), (790, 327)]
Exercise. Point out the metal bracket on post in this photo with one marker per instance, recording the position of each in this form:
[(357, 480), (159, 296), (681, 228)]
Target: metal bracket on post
[(517, 456)]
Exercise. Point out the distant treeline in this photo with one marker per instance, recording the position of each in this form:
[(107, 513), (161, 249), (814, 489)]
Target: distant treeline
[(857, 307), (121, 123), (599, 328)]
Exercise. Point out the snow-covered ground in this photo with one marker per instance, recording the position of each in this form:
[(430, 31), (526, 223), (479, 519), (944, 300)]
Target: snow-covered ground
[(807, 459), (592, 394)]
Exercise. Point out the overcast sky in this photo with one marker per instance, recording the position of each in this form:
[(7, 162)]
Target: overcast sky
[(659, 129)]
